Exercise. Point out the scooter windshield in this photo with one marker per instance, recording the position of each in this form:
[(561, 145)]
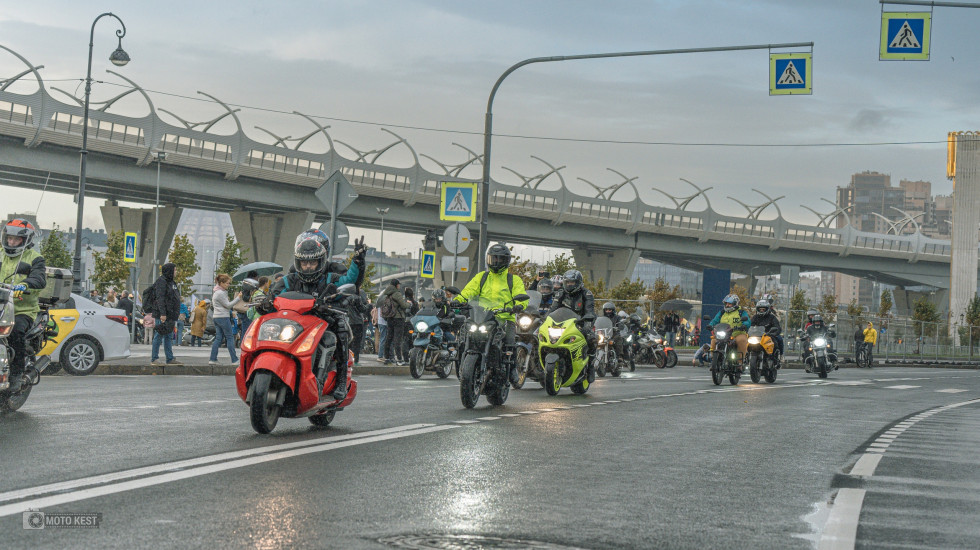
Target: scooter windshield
[(563, 314)]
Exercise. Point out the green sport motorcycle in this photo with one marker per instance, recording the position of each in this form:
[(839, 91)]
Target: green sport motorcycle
[(563, 352)]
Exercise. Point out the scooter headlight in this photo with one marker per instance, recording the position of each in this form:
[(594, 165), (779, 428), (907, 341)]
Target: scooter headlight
[(555, 333), (754, 340), (721, 334), (279, 330), (525, 322), (421, 326), (819, 342)]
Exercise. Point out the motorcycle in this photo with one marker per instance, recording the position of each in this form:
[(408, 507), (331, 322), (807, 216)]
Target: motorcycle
[(526, 354), (650, 349), (288, 364), (823, 356), (625, 337), (434, 346), (762, 360), (605, 354), (667, 353), (563, 352), (485, 366), (725, 360), (57, 290)]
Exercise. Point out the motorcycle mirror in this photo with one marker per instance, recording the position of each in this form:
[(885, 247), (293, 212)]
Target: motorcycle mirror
[(521, 297), (453, 289), (348, 289), (23, 268)]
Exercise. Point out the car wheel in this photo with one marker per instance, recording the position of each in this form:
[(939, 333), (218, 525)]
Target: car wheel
[(80, 357)]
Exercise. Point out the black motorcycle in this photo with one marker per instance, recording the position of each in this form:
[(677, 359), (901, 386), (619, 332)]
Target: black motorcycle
[(526, 355), (822, 356), (725, 360), (485, 367)]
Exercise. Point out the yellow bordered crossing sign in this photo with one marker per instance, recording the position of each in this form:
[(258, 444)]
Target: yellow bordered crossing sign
[(790, 73), (905, 36), (428, 270), (129, 248), (458, 202)]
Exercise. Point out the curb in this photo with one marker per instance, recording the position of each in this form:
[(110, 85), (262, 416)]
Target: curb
[(219, 370)]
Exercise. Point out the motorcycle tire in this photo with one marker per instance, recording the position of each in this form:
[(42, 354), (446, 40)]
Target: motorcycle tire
[(716, 373), (497, 395), (660, 359), (10, 403), (552, 379), (581, 387), (263, 411), (600, 370), (754, 368), (734, 377), (445, 370), (323, 420), (616, 369), (821, 369), (770, 374), (415, 366), (469, 385), (521, 360), (671, 359)]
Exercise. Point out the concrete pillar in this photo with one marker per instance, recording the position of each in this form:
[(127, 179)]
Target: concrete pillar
[(270, 237), (966, 217), (612, 267), (142, 221)]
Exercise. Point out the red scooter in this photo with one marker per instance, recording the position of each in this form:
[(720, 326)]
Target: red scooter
[(281, 352)]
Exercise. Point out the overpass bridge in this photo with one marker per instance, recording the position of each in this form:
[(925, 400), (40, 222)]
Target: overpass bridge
[(269, 190)]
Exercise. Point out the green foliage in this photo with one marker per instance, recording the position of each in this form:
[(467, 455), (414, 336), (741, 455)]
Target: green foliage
[(828, 308), (525, 269), (184, 257), (660, 293), (925, 316), (626, 294), (855, 311), (232, 256), (798, 305), (55, 250), (598, 288), (110, 269), (885, 304), (744, 300)]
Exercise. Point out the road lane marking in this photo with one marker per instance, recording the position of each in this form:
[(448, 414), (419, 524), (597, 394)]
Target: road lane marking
[(901, 387), (866, 465), (466, 421), (187, 463), (951, 390), (841, 529), (172, 476)]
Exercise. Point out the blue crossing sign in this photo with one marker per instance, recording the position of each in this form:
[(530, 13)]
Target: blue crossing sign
[(790, 73), (905, 36), (428, 265), (129, 248), (458, 202)]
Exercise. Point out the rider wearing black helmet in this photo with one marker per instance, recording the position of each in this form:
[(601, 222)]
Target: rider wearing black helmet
[(609, 310), (579, 299), (764, 317), (547, 290)]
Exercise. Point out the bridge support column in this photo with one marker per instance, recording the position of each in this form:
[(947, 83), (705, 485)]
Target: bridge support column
[(612, 267), (966, 216), (142, 221), (270, 237)]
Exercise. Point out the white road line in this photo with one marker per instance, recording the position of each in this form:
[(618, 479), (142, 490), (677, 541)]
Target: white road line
[(181, 464), (488, 418), (84, 494), (951, 390), (466, 421), (902, 387), (866, 465), (841, 529)]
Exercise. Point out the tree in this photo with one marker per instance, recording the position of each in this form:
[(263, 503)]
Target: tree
[(598, 289), (55, 249), (798, 305), (232, 256), (524, 269), (855, 311), (626, 294), (885, 304), (744, 300), (828, 308), (973, 320), (184, 257), (660, 293), (110, 268), (925, 316), (559, 264)]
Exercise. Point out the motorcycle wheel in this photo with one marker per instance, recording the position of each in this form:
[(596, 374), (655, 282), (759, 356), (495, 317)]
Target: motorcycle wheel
[(469, 386), (600, 369), (552, 379), (616, 367), (264, 412), (521, 360), (754, 368), (822, 369), (10, 403), (660, 359), (671, 359), (415, 366), (734, 377), (499, 394), (323, 420), (445, 370), (716, 373), (770, 373), (580, 388)]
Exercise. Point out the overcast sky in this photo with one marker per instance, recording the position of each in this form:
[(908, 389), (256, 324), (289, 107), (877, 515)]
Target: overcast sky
[(431, 64)]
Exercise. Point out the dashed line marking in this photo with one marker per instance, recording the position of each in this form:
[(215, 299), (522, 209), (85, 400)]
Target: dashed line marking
[(951, 390)]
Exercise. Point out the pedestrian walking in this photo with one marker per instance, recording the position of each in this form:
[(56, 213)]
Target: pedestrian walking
[(126, 304), (223, 306), (199, 322), (393, 307), (166, 309), (182, 321), (380, 331)]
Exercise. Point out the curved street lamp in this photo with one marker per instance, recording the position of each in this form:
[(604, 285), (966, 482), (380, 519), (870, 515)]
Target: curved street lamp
[(118, 58)]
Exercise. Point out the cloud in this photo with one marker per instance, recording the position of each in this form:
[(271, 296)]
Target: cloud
[(870, 120)]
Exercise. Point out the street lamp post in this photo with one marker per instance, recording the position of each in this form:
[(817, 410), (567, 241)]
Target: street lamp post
[(485, 187), (382, 212), (118, 58), (160, 156)]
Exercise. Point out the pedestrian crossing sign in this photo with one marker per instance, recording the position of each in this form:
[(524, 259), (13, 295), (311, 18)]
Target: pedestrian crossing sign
[(428, 265), (790, 73), (905, 36), (458, 203), (129, 250)]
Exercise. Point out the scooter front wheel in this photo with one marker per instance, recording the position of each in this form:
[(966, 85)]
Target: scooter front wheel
[(264, 409)]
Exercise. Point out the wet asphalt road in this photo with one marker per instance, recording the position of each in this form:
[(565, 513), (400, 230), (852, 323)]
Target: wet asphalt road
[(656, 459)]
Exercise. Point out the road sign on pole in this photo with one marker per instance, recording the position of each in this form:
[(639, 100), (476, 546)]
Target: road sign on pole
[(458, 203), (129, 250), (428, 265), (342, 238), (905, 36), (456, 239), (790, 73)]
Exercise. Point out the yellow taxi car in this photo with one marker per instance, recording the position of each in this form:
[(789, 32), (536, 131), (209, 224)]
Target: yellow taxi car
[(88, 333)]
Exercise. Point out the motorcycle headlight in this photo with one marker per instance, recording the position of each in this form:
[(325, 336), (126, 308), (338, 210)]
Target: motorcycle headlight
[(755, 340), (602, 338), (421, 326), (483, 329), (279, 330), (721, 334), (629, 338), (555, 333), (657, 340), (525, 322), (472, 328), (819, 342)]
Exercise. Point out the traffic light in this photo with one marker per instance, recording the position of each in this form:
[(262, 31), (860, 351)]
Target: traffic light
[(431, 239)]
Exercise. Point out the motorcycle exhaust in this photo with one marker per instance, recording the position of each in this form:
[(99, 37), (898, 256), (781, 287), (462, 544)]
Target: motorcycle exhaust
[(42, 363)]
